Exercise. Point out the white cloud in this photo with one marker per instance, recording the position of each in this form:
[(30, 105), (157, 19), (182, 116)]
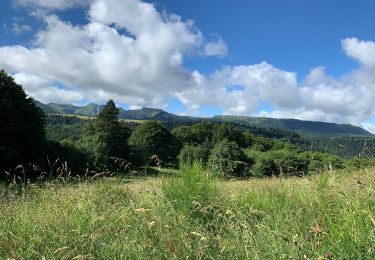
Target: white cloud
[(216, 48), (127, 51), (130, 52), (362, 51), (51, 4), (349, 99), (369, 127), (18, 28), (45, 90), (260, 82)]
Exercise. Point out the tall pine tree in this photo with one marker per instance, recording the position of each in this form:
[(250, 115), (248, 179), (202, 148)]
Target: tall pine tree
[(113, 134)]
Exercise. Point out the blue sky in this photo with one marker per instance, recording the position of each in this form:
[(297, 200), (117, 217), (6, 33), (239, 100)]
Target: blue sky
[(294, 35), (303, 59)]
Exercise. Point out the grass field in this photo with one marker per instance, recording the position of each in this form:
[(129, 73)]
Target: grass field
[(192, 215)]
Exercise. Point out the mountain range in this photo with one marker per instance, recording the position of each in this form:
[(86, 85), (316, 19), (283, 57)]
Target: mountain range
[(305, 128)]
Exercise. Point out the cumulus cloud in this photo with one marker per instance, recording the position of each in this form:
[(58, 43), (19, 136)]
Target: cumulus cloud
[(127, 50), (259, 82), (362, 51), (216, 48), (51, 4), (130, 52), (319, 97)]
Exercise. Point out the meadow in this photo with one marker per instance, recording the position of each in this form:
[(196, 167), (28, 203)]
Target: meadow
[(190, 214)]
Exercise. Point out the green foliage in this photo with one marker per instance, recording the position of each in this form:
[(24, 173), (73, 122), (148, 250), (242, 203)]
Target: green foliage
[(93, 146), (228, 132), (291, 161), (227, 158), (279, 162), (343, 146), (262, 144), (111, 132), (185, 135), (63, 128), (264, 163), (152, 138), (320, 162), (298, 126), (203, 132), (193, 153), (22, 134), (76, 159)]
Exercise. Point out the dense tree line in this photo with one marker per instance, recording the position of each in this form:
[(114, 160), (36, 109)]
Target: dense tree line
[(99, 144), (343, 146)]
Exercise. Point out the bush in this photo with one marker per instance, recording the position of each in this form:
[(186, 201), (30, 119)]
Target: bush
[(323, 161), (264, 165), (191, 153), (229, 132), (262, 144), (152, 138), (227, 158), (290, 162), (273, 163), (65, 152)]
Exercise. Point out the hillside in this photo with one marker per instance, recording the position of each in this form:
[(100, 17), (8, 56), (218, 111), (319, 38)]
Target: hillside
[(305, 128), (299, 126), (155, 114)]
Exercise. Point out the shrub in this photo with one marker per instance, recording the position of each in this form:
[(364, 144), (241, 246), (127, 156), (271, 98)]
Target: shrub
[(264, 165), (152, 138), (323, 161), (272, 163), (229, 132), (290, 162), (227, 158), (66, 152), (191, 153)]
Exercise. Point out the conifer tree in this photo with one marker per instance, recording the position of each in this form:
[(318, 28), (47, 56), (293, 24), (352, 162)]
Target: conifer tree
[(22, 135), (112, 133)]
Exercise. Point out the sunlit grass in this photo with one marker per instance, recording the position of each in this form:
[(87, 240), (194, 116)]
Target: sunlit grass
[(192, 215)]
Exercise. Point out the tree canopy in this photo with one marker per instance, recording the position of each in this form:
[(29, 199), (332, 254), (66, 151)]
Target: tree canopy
[(22, 132), (152, 138), (112, 134)]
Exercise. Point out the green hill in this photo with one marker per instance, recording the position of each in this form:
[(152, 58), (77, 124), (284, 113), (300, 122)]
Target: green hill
[(305, 128), (89, 110), (155, 114)]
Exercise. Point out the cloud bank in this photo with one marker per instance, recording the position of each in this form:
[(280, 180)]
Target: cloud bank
[(134, 54)]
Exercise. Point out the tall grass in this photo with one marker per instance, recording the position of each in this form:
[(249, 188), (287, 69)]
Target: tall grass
[(191, 187), (192, 215)]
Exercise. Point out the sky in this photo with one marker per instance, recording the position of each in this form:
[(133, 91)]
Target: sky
[(311, 60)]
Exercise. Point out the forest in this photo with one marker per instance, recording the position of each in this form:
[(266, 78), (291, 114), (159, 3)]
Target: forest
[(43, 143)]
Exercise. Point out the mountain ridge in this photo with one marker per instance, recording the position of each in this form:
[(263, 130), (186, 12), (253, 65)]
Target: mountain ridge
[(303, 127)]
